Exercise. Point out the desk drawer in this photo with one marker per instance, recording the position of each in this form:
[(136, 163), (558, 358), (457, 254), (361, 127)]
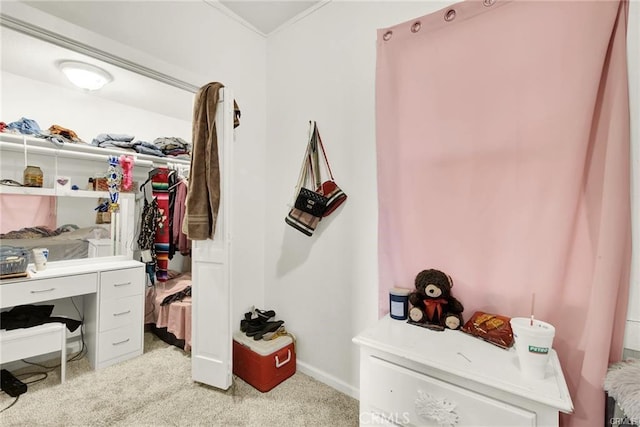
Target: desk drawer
[(396, 391), (120, 341), (121, 283), (115, 313), (39, 290)]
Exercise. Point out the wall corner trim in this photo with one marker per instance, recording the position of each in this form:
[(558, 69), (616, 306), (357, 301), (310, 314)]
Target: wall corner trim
[(328, 379)]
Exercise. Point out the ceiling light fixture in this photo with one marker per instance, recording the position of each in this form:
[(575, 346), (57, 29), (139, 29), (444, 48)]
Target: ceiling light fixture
[(85, 76)]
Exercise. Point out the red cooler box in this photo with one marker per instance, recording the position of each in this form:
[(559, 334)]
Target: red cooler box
[(263, 364)]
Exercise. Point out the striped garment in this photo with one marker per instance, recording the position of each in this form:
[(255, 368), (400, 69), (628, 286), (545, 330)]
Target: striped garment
[(160, 187)]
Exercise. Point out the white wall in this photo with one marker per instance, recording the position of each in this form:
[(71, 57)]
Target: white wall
[(323, 68), (194, 42)]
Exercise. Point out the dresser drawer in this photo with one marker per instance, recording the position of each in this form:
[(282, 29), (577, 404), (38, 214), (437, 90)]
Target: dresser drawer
[(121, 283), (115, 313), (118, 342), (34, 291), (394, 391)]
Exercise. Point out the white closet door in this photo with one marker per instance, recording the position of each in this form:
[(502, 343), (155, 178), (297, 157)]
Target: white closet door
[(211, 335)]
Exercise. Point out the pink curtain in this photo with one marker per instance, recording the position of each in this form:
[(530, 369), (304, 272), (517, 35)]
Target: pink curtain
[(503, 160)]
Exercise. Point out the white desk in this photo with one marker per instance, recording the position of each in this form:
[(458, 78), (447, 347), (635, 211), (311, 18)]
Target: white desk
[(113, 298), (404, 368)]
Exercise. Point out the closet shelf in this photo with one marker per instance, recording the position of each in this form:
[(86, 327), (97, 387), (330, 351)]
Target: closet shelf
[(18, 142), (31, 191), (42, 191)]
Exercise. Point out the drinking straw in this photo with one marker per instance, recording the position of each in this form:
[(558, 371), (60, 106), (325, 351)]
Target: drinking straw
[(533, 300)]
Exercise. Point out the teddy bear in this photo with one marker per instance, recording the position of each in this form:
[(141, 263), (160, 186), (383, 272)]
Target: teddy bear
[(432, 302)]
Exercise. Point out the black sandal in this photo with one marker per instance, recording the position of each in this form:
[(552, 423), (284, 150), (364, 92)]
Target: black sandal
[(268, 327), (265, 314), (251, 323), (248, 321)]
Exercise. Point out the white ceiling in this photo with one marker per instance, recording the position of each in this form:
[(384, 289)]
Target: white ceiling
[(132, 89), (263, 15), (267, 15)]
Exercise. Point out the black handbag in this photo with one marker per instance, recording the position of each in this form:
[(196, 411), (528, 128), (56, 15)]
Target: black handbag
[(311, 202), (308, 200), (309, 205)]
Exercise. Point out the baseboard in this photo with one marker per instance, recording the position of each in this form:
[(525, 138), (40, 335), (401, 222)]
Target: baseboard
[(327, 379), (632, 335)]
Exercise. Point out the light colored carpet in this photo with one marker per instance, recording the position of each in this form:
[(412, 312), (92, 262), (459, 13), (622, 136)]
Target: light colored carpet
[(156, 389)]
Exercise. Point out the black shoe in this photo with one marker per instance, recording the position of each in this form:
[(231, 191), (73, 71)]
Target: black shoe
[(268, 327), (265, 314), (250, 323)]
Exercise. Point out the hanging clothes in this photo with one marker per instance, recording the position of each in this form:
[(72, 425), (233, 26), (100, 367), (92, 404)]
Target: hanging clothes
[(203, 199), (172, 182), (147, 235), (180, 240), (160, 185)]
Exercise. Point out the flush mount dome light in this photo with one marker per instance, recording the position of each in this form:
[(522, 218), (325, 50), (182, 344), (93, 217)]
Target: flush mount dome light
[(85, 76)]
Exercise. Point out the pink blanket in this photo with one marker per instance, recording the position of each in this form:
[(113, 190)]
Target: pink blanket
[(176, 316)]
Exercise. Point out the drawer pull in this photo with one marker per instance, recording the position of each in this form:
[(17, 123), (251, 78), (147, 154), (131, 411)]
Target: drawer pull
[(121, 314), (436, 409), (43, 290), (120, 342), (117, 285)]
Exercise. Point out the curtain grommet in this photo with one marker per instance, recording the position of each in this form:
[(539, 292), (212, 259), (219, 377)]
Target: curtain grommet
[(488, 3), (387, 36), (416, 27), (450, 15)]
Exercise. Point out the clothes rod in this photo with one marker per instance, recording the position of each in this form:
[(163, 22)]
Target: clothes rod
[(70, 154)]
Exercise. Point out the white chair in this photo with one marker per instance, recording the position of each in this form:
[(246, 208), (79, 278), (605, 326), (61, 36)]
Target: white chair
[(21, 343)]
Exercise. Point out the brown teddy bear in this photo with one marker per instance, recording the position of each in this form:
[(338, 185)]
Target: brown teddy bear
[(432, 302)]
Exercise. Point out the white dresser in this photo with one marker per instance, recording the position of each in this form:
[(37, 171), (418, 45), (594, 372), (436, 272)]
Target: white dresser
[(412, 376), (112, 293)]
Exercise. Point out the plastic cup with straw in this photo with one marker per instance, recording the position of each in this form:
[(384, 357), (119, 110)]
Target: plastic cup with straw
[(533, 341)]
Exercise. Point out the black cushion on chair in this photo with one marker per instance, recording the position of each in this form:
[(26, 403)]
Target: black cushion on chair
[(27, 316)]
